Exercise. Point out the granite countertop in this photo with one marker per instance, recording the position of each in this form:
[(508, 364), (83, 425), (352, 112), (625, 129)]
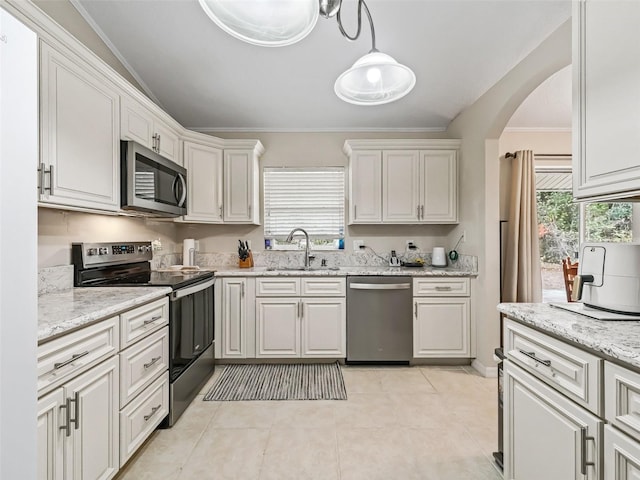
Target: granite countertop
[(618, 340), (67, 310), (428, 271)]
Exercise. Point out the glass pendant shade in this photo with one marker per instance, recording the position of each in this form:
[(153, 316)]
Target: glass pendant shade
[(268, 23), (375, 79)]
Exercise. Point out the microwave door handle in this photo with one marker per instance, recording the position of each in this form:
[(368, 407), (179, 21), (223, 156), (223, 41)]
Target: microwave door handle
[(183, 195)]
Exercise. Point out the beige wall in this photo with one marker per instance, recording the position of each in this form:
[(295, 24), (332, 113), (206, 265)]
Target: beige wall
[(65, 14), (314, 150), (58, 229), (480, 127)]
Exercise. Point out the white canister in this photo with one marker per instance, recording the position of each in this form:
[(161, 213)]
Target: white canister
[(189, 252), (438, 258)]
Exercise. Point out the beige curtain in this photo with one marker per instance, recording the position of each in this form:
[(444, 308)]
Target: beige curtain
[(522, 279)]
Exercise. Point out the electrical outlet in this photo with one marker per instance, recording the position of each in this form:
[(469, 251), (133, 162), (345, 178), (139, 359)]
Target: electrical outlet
[(357, 244)]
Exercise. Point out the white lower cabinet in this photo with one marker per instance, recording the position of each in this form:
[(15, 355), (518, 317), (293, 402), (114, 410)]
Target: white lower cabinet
[(442, 318), (311, 326), (78, 431), (622, 455), (233, 327), (547, 436)]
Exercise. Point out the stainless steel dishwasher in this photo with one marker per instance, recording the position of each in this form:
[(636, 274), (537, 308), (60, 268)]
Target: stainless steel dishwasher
[(379, 319)]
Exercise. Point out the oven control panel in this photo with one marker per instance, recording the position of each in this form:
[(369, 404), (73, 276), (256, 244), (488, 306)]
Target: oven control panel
[(106, 253)]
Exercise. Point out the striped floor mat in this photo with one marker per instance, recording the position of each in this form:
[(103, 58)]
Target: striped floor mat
[(279, 382)]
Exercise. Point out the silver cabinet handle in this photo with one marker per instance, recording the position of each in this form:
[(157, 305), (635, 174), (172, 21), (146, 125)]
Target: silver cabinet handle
[(583, 451), (154, 142), (73, 358), (532, 356), (153, 411), (422, 212), (415, 309), (153, 361), (443, 289), (67, 426), (42, 171), (301, 310), (152, 319), (355, 212), (418, 212), (76, 419), (242, 293), (220, 211), (159, 142), (249, 211)]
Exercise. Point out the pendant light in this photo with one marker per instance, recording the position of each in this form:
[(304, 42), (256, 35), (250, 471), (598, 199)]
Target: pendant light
[(374, 79), (267, 23)]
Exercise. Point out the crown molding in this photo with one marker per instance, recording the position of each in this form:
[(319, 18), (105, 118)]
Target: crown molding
[(317, 130), (537, 129)]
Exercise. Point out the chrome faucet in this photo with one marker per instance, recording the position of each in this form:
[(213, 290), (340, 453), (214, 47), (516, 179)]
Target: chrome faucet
[(306, 248)]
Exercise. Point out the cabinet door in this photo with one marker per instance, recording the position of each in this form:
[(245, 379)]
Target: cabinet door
[(92, 449), (79, 133), (438, 186), (241, 187), (278, 327), (167, 142), (234, 317), (51, 416), (606, 87), (136, 122), (547, 436), (204, 177), (400, 186), (441, 327), (365, 187), (324, 331), (621, 455)]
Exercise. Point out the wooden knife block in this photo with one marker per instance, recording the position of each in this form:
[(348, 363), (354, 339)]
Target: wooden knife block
[(247, 262)]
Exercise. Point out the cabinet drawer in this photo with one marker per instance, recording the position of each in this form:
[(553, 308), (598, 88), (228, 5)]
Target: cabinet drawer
[(622, 398), (67, 356), (142, 416), (572, 371), (141, 363), (441, 287), (323, 287), (140, 322), (278, 287)]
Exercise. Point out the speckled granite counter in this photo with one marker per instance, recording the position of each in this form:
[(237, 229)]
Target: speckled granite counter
[(227, 271), (618, 340), (64, 311)]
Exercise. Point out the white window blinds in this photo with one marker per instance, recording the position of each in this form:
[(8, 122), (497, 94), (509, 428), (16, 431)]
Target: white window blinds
[(309, 198)]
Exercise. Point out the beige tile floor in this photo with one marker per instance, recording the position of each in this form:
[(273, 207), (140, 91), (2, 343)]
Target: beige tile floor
[(426, 423)]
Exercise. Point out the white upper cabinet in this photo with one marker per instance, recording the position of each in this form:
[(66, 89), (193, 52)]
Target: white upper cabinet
[(141, 125), (242, 184), (403, 181), (365, 186), (606, 99), (204, 177), (79, 134)]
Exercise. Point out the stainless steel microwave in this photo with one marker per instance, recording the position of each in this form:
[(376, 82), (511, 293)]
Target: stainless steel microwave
[(151, 183)]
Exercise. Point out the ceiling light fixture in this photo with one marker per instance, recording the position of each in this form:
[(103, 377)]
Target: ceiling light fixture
[(374, 79)]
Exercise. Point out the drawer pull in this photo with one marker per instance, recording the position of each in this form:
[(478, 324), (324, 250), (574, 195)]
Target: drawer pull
[(76, 401), (73, 358), (152, 319), (443, 289), (153, 361), (153, 411), (583, 451), (532, 356)]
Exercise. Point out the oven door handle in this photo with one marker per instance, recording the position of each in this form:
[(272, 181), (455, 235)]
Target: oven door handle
[(183, 292)]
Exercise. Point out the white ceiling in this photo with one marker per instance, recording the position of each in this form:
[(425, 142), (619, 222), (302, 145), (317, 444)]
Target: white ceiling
[(208, 80)]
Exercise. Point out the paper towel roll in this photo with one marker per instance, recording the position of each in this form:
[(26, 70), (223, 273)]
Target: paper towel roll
[(189, 252)]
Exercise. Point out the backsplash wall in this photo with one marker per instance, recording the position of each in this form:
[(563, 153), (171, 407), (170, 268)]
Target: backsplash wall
[(58, 229)]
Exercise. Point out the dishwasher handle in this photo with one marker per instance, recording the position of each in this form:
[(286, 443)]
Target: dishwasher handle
[(380, 286)]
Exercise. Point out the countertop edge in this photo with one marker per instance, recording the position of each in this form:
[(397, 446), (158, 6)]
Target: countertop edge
[(618, 341), (343, 272), (50, 328)]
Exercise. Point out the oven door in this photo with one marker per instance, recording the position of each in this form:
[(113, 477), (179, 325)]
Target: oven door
[(190, 325)]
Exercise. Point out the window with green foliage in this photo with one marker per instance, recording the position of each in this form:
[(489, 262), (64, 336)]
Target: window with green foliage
[(563, 225)]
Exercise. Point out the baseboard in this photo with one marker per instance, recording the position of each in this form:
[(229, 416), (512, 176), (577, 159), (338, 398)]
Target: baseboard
[(489, 372)]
